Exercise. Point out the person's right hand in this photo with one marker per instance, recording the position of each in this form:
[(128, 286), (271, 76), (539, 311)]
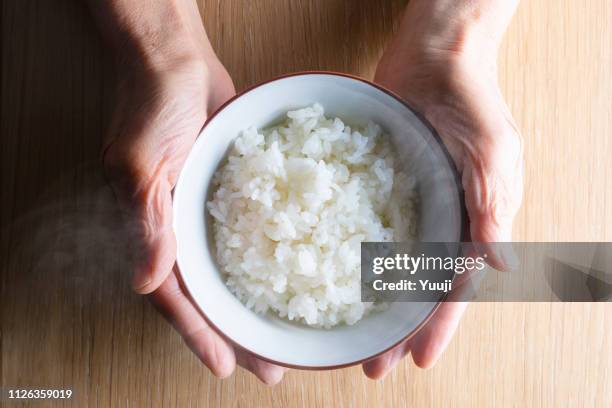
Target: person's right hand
[(162, 104), (446, 69)]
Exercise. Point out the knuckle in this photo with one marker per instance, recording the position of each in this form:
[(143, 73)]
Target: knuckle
[(128, 172), (119, 165)]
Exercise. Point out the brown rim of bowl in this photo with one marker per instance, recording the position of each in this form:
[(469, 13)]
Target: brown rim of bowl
[(463, 223)]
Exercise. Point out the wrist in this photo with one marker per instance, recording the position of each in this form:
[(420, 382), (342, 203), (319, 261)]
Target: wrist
[(453, 45), (159, 58), (451, 30), (430, 61), (153, 38)]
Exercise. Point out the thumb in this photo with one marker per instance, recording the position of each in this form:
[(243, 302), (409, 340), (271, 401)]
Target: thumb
[(492, 200), (145, 199)]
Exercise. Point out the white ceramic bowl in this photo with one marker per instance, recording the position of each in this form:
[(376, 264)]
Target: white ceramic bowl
[(355, 101)]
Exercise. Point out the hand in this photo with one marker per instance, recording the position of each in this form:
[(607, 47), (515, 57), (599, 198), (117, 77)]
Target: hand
[(451, 78), (163, 103)]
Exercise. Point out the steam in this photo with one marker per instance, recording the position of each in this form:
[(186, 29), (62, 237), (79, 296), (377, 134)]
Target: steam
[(71, 242)]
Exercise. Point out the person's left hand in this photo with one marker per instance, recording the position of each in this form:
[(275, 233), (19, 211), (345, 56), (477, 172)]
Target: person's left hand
[(161, 109)]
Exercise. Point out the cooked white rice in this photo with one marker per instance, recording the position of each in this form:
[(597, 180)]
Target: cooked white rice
[(291, 207)]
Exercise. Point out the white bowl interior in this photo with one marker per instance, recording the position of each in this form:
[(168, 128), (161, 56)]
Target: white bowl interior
[(354, 101)]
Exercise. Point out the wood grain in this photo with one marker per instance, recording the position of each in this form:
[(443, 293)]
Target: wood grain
[(69, 319)]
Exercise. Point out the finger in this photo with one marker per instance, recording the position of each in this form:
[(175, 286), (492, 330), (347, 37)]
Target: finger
[(493, 190), (154, 237), (488, 233), (487, 224), (492, 239), (214, 351), (146, 204), (382, 365), (431, 341), (267, 373)]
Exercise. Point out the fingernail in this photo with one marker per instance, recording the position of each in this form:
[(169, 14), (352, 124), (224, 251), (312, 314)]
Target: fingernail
[(271, 377), (509, 257), (140, 281)]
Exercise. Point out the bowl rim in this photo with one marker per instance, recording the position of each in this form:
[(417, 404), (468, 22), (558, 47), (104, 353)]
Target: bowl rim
[(462, 223)]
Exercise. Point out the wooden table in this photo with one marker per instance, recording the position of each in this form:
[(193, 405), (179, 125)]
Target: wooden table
[(69, 319)]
